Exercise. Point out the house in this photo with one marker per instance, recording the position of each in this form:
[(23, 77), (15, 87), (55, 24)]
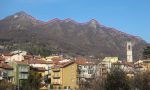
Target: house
[(127, 67), (42, 67), (7, 56), (86, 70), (110, 59), (20, 72), (6, 72), (143, 65), (64, 75), (105, 65), (2, 60), (102, 70), (39, 64), (14, 56)]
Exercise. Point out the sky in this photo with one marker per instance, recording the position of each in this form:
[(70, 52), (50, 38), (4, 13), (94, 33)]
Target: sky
[(130, 16)]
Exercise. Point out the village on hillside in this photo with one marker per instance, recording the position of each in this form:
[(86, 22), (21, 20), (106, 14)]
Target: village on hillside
[(56, 72)]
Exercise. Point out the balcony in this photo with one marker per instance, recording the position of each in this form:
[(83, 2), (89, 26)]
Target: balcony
[(56, 83), (10, 75), (1, 77), (81, 76), (56, 70), (56, 76), (23, 76), (25, 70)]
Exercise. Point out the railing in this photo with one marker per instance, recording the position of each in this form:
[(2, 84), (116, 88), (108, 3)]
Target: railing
[(56, 70), (56, 83), (10, 75), (23, 76), (56, 76), (23, 70)]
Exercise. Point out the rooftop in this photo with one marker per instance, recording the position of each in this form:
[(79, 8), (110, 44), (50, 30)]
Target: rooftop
[(5, 66)]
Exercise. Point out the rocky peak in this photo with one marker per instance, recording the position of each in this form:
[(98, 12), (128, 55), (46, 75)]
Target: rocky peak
[(93, 23)]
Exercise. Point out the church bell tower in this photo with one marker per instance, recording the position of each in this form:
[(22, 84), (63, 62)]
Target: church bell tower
[(129, 52)]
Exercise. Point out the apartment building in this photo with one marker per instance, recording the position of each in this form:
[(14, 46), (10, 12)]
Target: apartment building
[(64, 75)]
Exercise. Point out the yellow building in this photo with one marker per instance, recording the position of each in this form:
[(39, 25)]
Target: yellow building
[(143, 65), (40, 70), (64, 75), (111, 59), (146, 63)]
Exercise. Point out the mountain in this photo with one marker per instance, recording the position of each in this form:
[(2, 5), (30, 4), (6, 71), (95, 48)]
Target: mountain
[(68, 36)]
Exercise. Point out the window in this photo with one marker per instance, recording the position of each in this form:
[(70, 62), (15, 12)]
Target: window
[(23, 76), (129, 47), (90, 71), (65, 87)]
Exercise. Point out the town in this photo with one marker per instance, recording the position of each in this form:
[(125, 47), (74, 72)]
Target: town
[(56, 72)]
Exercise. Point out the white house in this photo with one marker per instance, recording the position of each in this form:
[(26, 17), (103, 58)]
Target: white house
[(14, 56)]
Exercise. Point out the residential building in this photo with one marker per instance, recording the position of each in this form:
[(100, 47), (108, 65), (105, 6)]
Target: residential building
[(64, 75), (2, 60), (6, 72), (86, 70), (20, 72), (127, 67), (7, 56), (41, 64), (104, 66), (143, 65), (14, 56)]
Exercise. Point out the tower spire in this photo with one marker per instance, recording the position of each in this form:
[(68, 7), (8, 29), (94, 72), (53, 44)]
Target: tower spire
[(129, 52)]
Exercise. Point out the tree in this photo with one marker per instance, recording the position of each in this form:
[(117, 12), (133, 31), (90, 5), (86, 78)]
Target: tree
[(146, 52), (142, 81), (84, 85), (33, 82), (117, 80), (5, 85), (98, 83)]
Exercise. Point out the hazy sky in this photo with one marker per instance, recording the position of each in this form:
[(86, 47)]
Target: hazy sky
[(130, 16)]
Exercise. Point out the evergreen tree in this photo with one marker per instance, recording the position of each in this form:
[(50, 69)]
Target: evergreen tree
[(117, 80), (5, 85), (146, 52), (33, 82)]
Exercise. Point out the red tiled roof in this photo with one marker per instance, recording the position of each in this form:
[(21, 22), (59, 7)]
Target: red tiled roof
[(49, 62), (1, 58), (80, 61), (34, 61), (21, 62), (28, 56), (148, 59), (67, 64), (124, 63), (5, 66), (39, 69), (83, 61), (56, 59), (7, 54), (37, 57), (62, 65)]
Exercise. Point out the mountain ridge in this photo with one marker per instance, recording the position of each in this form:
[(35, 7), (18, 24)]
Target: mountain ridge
[(68, 36)]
